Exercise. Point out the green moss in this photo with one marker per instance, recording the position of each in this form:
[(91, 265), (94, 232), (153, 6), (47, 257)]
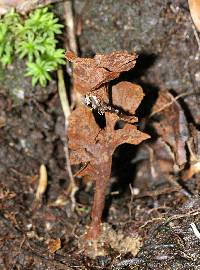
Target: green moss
[(33, 39)]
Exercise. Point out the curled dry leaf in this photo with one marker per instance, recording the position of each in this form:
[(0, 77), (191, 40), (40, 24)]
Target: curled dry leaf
[(194, 6), (89, 74), (157, 166), (172, 126), (54, 245), (116, 61)]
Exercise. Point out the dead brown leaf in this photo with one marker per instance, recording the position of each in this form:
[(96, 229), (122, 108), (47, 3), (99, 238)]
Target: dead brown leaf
[(172, 127), (92, 145), (89, 74), (194, 6), (116, 61), (194, 151), (127, 96), (54, 245)]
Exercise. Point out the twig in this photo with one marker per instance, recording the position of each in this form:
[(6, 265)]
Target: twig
[(69, 20), (171, 102), (196, 35), (194, 27), (195, 230), (129, 262), (158, 192), (66, 110), (19, 251), (166, 220), (63, 96), (72, 188), (131, 201), (71, 45), (179, 216)]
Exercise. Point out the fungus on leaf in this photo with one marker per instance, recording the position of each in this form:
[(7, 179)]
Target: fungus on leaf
[(91, 145)]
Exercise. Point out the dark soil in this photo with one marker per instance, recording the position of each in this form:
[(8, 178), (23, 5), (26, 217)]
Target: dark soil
[(148, 217)]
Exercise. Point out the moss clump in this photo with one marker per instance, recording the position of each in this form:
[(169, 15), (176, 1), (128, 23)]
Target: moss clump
[(33, 39)]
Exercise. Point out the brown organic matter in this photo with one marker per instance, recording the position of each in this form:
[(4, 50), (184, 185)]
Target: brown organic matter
[(194, 6), (92, 145), (172, 126), (193, 145), (89, 74)]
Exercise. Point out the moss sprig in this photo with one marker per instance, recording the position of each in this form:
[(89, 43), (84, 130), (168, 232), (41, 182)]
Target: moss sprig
[(33, 39)]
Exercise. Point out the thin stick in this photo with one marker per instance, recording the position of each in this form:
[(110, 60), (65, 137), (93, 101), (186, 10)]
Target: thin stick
[(196, 35), (171, 102), (63, 95), (72, 188), (69, 20), (71, 45), (66, 110)]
